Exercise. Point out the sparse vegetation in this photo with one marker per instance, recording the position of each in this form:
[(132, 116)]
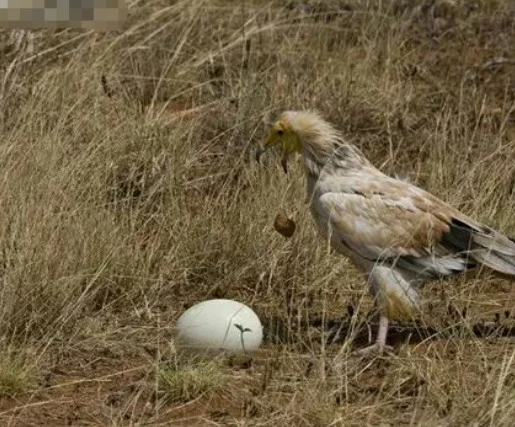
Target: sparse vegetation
[(129, 192), (185, 382), (16, 375)]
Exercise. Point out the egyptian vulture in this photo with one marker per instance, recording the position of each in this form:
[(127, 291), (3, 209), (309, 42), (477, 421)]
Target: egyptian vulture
[(400, 235)]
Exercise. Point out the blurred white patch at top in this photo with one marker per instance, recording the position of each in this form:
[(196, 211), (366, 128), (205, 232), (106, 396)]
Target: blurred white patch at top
[(92, 14)]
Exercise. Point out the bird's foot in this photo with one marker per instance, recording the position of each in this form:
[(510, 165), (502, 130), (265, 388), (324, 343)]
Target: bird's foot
[(339, 363), (375, 349)]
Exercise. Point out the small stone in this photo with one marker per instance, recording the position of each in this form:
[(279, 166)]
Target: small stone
[(284, 225)]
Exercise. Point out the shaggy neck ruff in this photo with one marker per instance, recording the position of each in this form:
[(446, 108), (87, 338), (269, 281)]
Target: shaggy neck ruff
[(321, 143)]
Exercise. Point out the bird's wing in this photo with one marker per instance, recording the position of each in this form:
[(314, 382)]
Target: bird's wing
[(388, 220)]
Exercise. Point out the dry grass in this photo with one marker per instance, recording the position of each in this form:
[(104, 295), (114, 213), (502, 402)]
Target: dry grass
[(17, 375), (129, 192), (188, 381)]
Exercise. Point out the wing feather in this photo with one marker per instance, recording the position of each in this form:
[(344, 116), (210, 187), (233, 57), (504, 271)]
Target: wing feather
[(377, 227), (386, 220)]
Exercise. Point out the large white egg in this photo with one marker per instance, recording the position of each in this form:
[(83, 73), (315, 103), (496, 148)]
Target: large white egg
[(219, 324)]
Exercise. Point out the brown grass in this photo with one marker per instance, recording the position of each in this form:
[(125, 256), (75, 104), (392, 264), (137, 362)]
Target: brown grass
[(129, 192)]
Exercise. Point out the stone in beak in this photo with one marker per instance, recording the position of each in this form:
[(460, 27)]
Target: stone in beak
[(259, 153), (284, 160)]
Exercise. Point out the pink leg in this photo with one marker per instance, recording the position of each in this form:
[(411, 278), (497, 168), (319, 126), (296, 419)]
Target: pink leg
[(380, 343), (382, 332)]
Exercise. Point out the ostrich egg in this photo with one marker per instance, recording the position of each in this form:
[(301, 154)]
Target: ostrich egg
[(219, 324)]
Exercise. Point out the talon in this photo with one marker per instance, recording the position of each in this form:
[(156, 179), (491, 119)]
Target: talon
[(374, 349)]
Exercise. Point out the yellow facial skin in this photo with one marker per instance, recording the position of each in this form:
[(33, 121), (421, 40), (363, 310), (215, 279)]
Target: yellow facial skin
[(282, 135)]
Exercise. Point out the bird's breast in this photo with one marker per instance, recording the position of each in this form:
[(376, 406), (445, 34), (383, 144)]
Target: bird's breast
[(328, 233)]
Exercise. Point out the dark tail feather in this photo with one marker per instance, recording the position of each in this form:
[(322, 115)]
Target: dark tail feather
[(482, 245), (496, 262)]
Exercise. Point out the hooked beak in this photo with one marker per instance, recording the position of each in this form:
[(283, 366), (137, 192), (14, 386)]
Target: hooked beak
[(259, 153), (266, 145), (284, 162), (284, 159), (262, 148)]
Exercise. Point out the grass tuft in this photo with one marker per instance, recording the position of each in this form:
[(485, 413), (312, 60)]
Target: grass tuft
[(186, 382), (16, 377)]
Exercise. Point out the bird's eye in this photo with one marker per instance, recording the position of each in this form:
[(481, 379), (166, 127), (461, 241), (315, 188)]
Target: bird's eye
[(280, 131)]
